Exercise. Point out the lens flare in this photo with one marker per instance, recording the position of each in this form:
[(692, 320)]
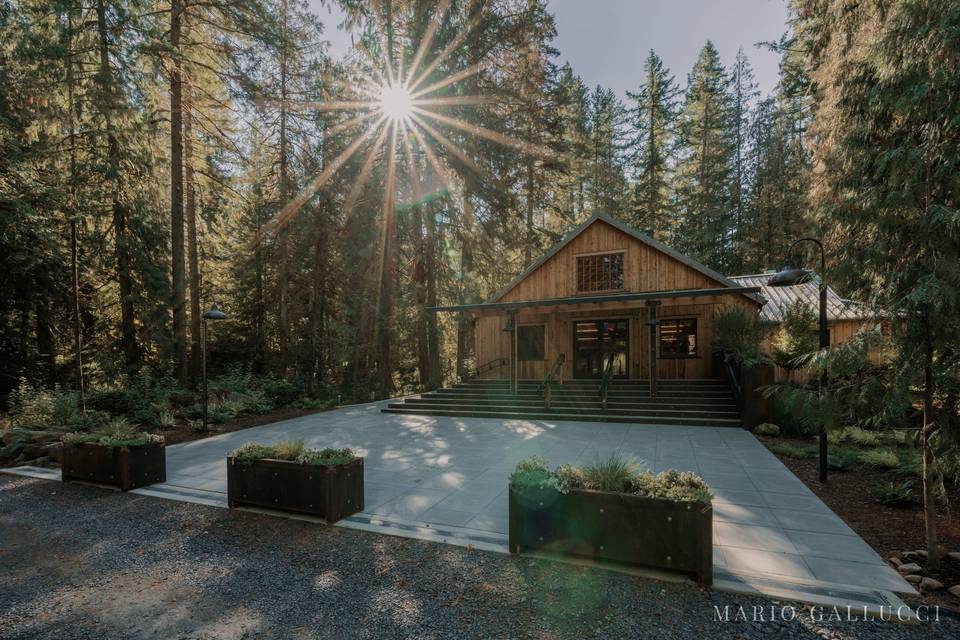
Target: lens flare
[(395, 102)]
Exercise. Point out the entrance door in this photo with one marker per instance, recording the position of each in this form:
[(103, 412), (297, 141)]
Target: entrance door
[(594, 341)]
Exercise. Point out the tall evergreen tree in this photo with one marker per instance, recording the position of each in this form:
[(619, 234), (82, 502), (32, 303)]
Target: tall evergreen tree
[(653, 117), (706, 146)]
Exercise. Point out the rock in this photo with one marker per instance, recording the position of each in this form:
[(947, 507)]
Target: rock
[(910, 567), (929, 584), (895, 561), (954, 555), (909, 555), (767, 429), (955, 590), (922, 553), (913, 578)]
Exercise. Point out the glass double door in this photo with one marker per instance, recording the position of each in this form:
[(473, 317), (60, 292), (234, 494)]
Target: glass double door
[(594, 341)]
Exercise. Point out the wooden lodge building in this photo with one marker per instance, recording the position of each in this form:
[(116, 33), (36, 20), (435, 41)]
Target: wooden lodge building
[(609, 324)]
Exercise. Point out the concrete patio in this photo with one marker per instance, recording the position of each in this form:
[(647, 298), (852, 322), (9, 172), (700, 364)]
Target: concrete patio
[(445, 478)]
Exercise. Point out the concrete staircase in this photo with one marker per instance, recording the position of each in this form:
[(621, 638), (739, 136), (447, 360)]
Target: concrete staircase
[(680, 402)]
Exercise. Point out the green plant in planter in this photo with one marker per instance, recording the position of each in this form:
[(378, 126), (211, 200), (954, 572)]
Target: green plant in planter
[(791, 451), (292, 451), (739, 332), (118, 434)]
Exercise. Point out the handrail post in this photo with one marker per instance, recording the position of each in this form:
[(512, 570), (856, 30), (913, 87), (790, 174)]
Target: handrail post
[(546, 396)]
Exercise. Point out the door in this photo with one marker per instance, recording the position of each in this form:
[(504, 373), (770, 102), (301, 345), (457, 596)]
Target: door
[(596, 340)]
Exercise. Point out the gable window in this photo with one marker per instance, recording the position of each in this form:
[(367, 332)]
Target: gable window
[(600, 272), (678, 338), (531, 343)]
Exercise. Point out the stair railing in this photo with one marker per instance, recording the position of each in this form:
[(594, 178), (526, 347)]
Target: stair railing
[(496, 363), (731, 375), (554, 375), (605, 381)]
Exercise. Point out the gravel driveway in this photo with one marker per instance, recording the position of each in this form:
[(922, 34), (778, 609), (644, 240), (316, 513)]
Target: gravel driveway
[(84, 562)]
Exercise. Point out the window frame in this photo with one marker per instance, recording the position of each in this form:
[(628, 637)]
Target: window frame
[(677, 320), (532, 325), (595, 254)]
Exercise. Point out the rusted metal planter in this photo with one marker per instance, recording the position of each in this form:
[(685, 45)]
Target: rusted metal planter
[(331, 492), (615, 527), (124, 467)]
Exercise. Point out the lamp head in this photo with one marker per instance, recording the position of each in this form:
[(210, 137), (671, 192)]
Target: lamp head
[(789, 276), (214, 313)]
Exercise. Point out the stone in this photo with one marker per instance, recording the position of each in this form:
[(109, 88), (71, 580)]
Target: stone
[(922, 553), (54, 451), (767, 429), (30, 436), (909, 567), (909, 555), (929, 584), (954, 555), (895, 561), (955, 590), (913, 578)]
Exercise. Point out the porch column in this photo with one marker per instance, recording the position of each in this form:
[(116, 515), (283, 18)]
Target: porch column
[(652, 322), (512, 324)]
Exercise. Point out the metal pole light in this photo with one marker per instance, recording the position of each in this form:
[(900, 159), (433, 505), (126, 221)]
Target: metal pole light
[(787, 277), (214, 313)]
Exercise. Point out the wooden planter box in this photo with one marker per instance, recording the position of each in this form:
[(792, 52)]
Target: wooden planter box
[(615, 527), (125, 467), (329, 492)]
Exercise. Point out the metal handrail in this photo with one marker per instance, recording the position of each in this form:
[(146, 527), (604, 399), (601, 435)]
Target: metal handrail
[(605, 381), (546, 386), (496, 363), (731, 375)]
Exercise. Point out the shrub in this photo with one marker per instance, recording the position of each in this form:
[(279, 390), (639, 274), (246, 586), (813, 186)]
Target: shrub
[(841, 459), (119, 433), (881, 458), (293, 451), (33, 407), (791, 451), (893, 493), (740, 332), (797, 335), (862, 437), (609, 475)]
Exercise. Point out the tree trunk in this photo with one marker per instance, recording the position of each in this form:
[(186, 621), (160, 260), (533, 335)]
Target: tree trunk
[(178, 272), (466, 267), (419, 283), (387, 275), (929, 500), (74, 268), (128, 332), (433, 331), (193, 253), (43, 331), (283, 249)]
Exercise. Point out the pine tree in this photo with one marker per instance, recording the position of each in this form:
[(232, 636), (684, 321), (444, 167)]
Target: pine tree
[(653, 118), (706, 148)]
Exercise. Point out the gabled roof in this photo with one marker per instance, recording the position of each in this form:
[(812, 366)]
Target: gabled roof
[(779, 298), (634, 233)]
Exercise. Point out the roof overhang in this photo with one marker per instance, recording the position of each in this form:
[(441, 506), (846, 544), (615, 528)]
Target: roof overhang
[(599, 299)]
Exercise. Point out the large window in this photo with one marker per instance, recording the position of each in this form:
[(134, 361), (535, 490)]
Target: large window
[(678, 338), (600, 272), (531, 343)]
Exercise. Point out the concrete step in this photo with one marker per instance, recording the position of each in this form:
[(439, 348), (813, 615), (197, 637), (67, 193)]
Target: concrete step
[(580, 410), (638, 407), (576, 394), (588, 417)]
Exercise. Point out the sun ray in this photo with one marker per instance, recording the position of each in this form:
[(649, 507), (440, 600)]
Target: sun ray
[(440, 170), (440, 84), (387, 225), (365, 170), (488, 134), (289, 210), (386, 52), (352, 122), (450, 48), (455, 101), (427, 39), (451, 148), (412, 164)]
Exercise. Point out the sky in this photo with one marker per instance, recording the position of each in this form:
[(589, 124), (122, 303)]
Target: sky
[(606, 41)]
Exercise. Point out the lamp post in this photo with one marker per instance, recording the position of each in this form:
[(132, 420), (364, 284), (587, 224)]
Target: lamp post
[(787, 277), (214, 313)]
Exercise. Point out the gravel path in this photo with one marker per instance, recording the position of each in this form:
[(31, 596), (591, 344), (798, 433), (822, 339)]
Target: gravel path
[(83, 562)]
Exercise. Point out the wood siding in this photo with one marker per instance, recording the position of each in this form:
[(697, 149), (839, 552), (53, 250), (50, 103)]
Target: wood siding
[(645, 269)]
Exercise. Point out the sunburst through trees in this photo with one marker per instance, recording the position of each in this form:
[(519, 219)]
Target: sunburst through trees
[(397, 108)]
